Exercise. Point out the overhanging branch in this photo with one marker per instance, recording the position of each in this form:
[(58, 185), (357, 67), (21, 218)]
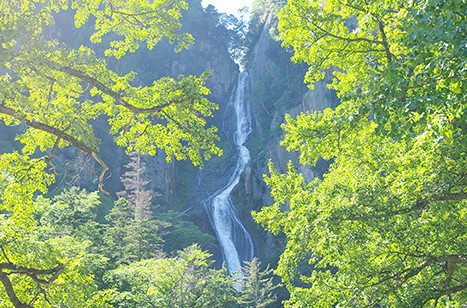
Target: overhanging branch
[(106, 90), (419, 205), (34, 273), (11, 292), (62, 135), (346, 39)]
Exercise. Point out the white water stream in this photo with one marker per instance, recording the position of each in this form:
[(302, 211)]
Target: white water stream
[(235, 241)]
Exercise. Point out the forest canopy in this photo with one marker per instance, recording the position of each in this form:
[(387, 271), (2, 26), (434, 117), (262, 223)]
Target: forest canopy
[(57, 92), (386, 226)]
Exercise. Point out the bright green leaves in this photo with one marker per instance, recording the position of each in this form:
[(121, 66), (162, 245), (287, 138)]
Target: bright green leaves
[(65, 279), (379, 214), (135, 21), (184, 281), (49, 85), (288, 214), (339, 35), (20, 178), (389, 213), (179, 128), (57, 92), (321, 134)]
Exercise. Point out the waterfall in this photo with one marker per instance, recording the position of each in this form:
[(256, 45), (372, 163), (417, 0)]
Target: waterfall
[(235, 241)]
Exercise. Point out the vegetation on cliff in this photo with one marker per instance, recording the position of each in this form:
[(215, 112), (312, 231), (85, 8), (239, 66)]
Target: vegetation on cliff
[(386, 227), (57, 91)]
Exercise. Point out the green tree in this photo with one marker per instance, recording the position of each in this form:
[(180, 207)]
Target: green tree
[(182, 232), (257, 286), (56, 92), (390, 214), (185, 280), (68, 213), (130, 237), (37, 270), (44, 84), (72, 213), (133, 235)]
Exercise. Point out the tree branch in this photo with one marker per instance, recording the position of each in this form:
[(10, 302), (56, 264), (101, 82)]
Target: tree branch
[(5, 255), (446, 292), (60, 134), (49, 157), (453, 197), (385, 42), (18, 269), (115, 95), (31, 272), (419, 205), (359, 39), (408, 273), (11, 292)]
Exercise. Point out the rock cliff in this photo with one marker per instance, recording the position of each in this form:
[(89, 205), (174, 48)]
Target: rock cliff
[(276, 89), (169, 183)]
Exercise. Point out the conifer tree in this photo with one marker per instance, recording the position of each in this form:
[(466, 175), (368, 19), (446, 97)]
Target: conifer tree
[(130, 238), (257, 286), (134, 183)]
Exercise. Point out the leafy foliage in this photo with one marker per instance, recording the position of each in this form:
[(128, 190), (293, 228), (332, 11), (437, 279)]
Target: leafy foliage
[(390, 213), (257, 286), (183, 281), (130, 236), (46, 83), (57, 92), (34, 268), (182, 233)]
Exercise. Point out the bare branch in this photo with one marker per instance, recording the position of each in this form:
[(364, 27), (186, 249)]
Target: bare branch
[(127, 125), (49, 157)]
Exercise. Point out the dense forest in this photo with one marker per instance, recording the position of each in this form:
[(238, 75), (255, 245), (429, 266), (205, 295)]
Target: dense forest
[(117, 124)]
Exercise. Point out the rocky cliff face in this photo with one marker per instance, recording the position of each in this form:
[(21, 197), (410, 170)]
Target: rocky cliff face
[(259, 63), (277, 89), (169, 183), (172, 182)]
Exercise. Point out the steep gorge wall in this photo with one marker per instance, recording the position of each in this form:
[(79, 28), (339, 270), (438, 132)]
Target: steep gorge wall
[(169, 183), (276, 89), (172, 182)]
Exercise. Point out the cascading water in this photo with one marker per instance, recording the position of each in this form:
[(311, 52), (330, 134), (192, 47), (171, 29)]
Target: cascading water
[(235, 241)]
